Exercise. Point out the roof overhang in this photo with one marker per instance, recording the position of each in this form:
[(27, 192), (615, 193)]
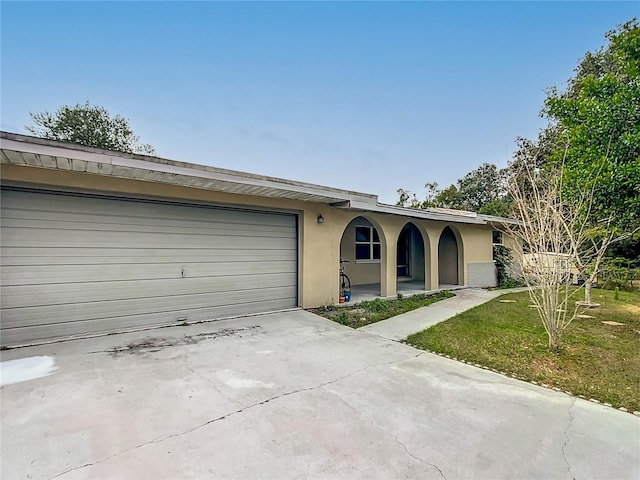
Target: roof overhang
[(425, 214), (42, 153), (499, 221), (24, 150)]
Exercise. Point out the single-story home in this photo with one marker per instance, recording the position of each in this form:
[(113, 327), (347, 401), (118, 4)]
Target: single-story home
[(96, 240)]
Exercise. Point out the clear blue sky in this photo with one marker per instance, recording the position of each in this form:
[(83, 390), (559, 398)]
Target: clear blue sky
[(368, 96)]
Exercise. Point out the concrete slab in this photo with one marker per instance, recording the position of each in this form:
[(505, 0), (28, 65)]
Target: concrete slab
[(293, 395), (371, 291), (400, 327)]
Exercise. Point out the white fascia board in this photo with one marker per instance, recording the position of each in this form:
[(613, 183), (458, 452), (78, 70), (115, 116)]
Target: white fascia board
[(230, 178), (26, 144), (415, 213), (492, 219), (431, 215), (54, 151)]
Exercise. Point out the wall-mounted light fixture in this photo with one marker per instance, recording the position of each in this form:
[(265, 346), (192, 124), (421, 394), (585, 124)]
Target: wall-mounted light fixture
[(320, 219)]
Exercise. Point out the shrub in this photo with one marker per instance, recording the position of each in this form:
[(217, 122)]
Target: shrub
[(378, 305), (503, 260), (343, 317)]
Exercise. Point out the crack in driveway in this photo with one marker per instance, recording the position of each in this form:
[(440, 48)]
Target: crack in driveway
[(566, 442), (233, 413), (386, 432)]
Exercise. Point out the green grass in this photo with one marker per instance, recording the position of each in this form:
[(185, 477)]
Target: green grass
[(596, 360), (372, 311)]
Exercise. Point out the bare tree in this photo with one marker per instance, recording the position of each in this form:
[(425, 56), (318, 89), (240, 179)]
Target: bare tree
[(546, 230), (561, 237), (591, 245)]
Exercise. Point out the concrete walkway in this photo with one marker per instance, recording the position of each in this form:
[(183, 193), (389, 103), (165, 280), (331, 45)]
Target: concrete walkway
[(400, 327)]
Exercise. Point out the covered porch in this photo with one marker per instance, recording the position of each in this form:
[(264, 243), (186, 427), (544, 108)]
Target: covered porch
[(384, 263)]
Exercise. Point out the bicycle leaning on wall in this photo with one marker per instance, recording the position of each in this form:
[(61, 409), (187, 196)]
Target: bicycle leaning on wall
[(345, 283)]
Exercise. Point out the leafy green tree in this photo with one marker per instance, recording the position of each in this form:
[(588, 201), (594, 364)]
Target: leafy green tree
[(593, 137), (482, 190), (592, 143), (450, 197), (88, 125), (597, 124)]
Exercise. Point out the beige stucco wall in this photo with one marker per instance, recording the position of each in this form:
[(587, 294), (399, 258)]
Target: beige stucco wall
[(319, 243), (514, 244)]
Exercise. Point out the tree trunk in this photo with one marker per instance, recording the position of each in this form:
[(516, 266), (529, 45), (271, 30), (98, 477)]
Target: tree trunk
[(554, 342), (554, 335), (587, 291)]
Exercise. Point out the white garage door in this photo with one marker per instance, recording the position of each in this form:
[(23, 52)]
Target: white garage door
[(84, 264)]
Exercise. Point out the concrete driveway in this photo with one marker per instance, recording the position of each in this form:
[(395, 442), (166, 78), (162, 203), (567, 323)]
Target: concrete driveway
[(292, 395)]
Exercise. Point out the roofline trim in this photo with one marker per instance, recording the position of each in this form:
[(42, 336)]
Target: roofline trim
[(40, 146), (268, 186)]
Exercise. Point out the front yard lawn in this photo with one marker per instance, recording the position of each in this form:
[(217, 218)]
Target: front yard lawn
[(597, 361), (372, 311)]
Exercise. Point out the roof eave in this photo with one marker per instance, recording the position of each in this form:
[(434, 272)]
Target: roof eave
[(42, 153), (51, 154)]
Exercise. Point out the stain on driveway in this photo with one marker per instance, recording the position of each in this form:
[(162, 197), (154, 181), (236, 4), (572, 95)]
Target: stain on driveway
[(155, 344)]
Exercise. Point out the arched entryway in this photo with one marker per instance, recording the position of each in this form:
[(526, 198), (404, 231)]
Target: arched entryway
[(361, 247), (410, 260), (449, 261)]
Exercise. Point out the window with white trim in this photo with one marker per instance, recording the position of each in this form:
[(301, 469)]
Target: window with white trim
[(497, 237), (367, 244)]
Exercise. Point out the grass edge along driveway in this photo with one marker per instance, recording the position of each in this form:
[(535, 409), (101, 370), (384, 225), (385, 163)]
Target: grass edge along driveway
[(597, 361)]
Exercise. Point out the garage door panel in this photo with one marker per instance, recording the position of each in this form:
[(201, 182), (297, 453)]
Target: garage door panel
[(169, 307), (35, 275), (65, 238), (67, 293), (210, 228), (24, 334), (83, 208), (58, 256), (267, 221), (73, 264)]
